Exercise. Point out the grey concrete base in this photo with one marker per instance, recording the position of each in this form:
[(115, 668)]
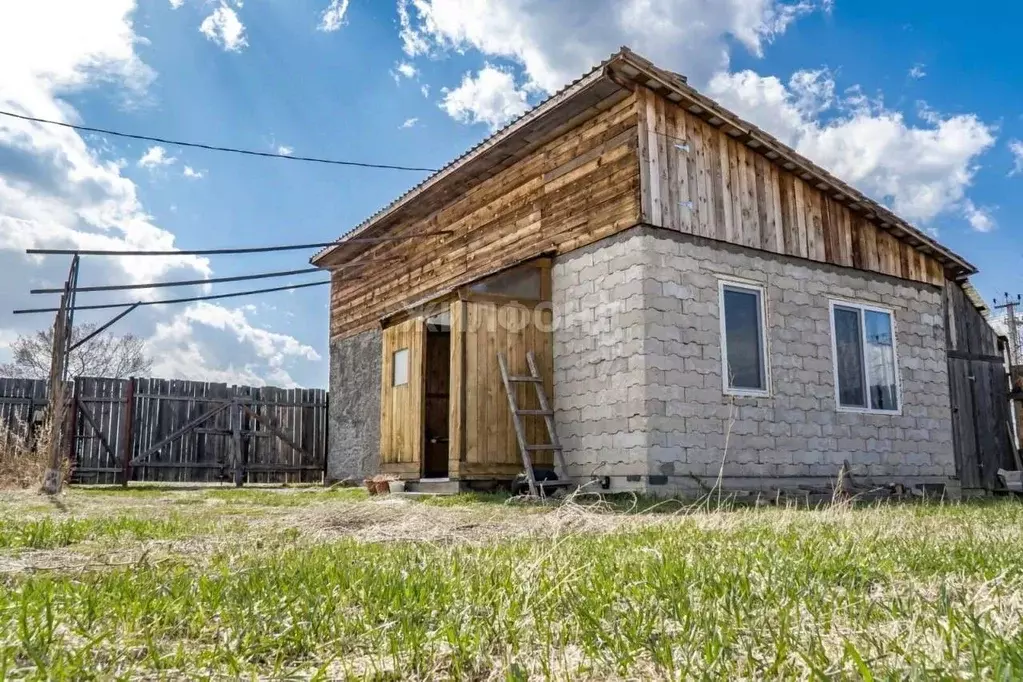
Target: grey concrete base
[(354, 447)]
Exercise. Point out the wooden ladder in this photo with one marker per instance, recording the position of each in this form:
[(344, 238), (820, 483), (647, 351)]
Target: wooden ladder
[(545, 411)]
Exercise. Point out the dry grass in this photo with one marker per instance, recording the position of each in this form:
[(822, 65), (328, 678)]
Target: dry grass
[(23, 463), (169, 584)]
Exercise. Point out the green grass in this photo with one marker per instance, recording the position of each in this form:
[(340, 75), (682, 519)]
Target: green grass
[(51, 533), (907, 592)]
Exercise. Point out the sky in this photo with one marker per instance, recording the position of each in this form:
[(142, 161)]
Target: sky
[(918, 104)]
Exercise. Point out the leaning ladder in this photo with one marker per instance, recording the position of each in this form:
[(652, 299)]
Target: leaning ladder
[(545, 411)]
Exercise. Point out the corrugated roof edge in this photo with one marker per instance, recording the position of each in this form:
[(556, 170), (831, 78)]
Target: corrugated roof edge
[(468, 154)]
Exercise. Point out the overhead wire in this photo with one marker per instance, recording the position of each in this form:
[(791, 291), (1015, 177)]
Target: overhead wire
[(214, 148), (190, 299), (199, 282), (218, 252)]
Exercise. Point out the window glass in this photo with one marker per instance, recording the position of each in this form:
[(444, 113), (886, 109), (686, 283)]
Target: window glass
[(523, 283), (849, 360), (880, 354), (743, 339), (400, 361)]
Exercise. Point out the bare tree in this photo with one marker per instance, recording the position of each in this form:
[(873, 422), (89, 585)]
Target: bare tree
[(105, 355)]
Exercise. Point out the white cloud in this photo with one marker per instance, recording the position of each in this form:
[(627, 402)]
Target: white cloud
[(406, 69), (917, 72), (491, 97), (409, 123), (1016, 149), (285, 150), (191, 345), (224, 28), (59, 189), (555, 42), (425, 89), (980, 218), (176, 4), (190, 172), (55, 190), (155, 157), (333, 17), (924, 170)]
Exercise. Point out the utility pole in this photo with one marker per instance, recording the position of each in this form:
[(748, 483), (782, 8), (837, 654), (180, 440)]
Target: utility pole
[(62, 327), (1012, 323)]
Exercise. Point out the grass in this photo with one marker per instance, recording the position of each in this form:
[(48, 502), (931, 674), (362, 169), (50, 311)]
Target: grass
[(50, 533), (909, 592)]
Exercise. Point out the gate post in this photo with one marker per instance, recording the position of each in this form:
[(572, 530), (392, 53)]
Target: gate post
[(128, 432), (236, 439), (72, 441)]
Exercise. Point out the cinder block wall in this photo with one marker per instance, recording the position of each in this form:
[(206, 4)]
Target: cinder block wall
[(648, 373), (354, 447), (600, 379)]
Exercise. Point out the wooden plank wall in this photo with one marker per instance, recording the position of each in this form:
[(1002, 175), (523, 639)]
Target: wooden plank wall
[(722, 189), (20, 399), (205, 452), (576, 189), (979, 390), (490, 445), (402, 407)]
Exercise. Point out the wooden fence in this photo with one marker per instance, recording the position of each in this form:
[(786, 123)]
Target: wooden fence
[(22, 405), (979, 394), (159, 430)]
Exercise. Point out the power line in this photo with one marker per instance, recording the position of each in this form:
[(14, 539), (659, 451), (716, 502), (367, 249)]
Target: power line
[(190, 299), (217, 252), (214, 148), (198, 282)]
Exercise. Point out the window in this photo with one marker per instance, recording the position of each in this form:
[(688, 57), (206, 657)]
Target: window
[(516, 283), (866, 373), (743, 339), (400, 363)]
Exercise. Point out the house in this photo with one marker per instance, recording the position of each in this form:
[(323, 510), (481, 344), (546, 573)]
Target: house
[(700, 298)]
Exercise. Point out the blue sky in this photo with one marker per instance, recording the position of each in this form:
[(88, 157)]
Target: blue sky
[(916, 103)]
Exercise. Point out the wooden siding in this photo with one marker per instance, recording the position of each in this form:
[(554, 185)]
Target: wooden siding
[(489, 447), (574, 190), (979, 393), (722, 189), (402, 407)]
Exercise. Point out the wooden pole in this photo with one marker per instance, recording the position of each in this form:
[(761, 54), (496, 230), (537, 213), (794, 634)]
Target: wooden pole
[(52, 479), (128, 432)]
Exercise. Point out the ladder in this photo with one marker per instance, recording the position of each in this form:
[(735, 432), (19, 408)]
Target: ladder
[(545, 411)]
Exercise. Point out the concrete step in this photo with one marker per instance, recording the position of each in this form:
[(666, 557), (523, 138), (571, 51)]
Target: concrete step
[(434, 487)]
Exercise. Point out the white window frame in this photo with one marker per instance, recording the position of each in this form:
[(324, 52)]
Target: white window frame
[(862, 308), (394, 367), (758, 289)]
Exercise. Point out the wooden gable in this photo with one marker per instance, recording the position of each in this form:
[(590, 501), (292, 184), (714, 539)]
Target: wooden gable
[(698, 180)]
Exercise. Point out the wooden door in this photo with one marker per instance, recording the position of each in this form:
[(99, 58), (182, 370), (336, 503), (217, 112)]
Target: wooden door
[(402, 399), (489, 448)]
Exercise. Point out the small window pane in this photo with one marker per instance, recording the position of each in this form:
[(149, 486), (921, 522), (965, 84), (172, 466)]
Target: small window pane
[(743, 340), (881, 360), (849, 360), (401, 367), (523, 283)]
